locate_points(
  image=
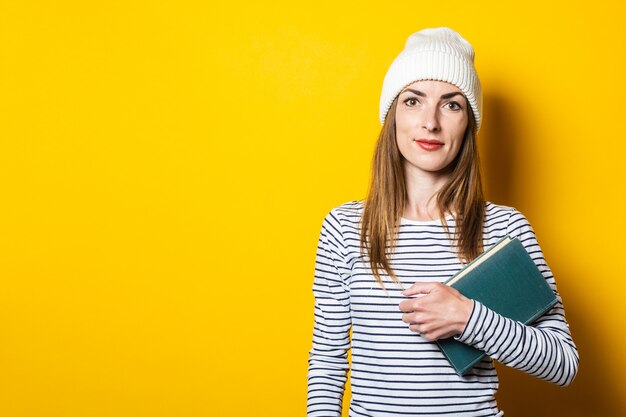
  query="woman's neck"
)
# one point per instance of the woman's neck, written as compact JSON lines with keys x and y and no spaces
{"x":421,"y":190}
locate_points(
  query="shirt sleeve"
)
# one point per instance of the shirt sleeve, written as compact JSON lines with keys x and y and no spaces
{"x":544,"y":348}
{"x":328,"y":358}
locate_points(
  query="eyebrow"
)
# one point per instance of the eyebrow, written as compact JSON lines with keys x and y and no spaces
{"x":443,"y":96}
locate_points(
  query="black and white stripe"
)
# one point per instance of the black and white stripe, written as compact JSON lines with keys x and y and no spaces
{"x":395,"y":372}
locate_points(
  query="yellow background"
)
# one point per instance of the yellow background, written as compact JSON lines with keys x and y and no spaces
{"x":165,"y":167}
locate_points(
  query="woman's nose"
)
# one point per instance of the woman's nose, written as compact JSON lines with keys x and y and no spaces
{"x":431,"y":121}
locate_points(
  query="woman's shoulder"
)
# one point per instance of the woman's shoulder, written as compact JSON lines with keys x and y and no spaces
{"x":350,"y":211}
{"x":347,"y":214}
{"x":350,"y":207}
{"x":493,"y":210}
{"x":507,"y":216}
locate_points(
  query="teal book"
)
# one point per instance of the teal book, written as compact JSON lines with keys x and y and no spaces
{"x":505,"y":279}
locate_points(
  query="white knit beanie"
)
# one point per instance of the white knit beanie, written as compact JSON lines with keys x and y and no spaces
{"x":434,"y":54}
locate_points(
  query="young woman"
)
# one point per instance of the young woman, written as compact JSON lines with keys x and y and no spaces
{"x":381,"y":262}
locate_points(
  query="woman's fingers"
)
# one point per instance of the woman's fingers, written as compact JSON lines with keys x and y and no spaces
{"x":420,"y":288}
{"x":441,"y":312}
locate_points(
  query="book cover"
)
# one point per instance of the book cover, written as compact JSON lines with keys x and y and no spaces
{"x":506,"y":280}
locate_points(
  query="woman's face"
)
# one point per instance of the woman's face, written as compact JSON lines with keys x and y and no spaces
{"x":431,"y":118}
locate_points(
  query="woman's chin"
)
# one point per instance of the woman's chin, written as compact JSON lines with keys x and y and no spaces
{"x":434,"y":168}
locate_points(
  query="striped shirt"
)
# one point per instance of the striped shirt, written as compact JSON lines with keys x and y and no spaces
{"x":396,"y":372}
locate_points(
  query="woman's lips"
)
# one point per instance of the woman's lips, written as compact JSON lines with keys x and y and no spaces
{"x":429,"y":144}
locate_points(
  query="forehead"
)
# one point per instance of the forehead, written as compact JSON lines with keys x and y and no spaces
{"x":433,"y":87}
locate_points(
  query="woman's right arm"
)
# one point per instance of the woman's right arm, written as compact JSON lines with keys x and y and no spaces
{"x":328,"y":359}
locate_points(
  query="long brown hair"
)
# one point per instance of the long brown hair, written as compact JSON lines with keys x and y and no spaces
{"x":461,"y":195}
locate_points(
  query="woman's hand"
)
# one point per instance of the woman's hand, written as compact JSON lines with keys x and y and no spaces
{"x":442,"y":312}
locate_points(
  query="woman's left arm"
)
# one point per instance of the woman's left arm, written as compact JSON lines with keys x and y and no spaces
{"x":544,"y":348}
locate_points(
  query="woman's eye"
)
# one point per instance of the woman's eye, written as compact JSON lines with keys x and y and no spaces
{"x":411,"y":101}
{"x":453,"y":105}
